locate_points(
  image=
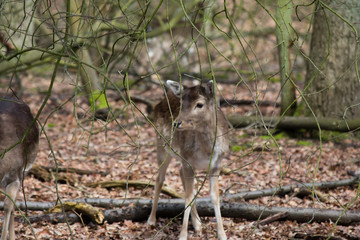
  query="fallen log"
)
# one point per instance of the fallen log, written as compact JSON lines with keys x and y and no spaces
{"x":291,"y":123}
{"x":231,"y":102}
{"x":273,"y":218}
{"x":44,"y":175}
{"x":280,"y":191}
{"x":136,"y":184}
{"x":174,"y":208}
{"x":76,"y":170}
{"x":94,"y":213}
{"x":111,"y":203}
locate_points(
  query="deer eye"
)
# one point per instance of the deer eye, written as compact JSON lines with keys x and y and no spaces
{"x":199,"y":105}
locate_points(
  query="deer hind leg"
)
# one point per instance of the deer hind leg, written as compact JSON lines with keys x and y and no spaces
{"x":8,"y":225}
{"x":195,"y":219}
{"x":163,"y":160}
{"x":214,"y":193}
{"x":187,"y":176}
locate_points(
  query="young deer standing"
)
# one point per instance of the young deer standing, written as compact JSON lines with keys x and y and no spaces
{"x":196,"y":131}
{"x":15,"y":120}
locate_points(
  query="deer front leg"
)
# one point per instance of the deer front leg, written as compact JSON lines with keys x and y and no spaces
{"x":8,"y":225}
{"x":187,"y":174}
{"x":214,"y":193}
{"x":195,"y":219}
{"x":163,"y":162}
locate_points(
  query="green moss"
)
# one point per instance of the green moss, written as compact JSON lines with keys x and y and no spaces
{"x":243,"y":136}
{"x":274,"y":79}
{"x":299,"y":77}
{"x":51,"y":125}
{"x":303,"y":143}
{"x":277,"y":136}
{"x":100,"y":100}
{"x":281,"y":135}
{"x":327,"y":135}
{"x":120,"y":84}
{"x":299,"y":110}
{"x":264,"y":137}
{"x":237,"y":148}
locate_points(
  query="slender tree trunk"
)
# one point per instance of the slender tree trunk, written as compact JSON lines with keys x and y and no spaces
{"x":283,"y":35}
{"x":89,"y":75}
{"x":16,"y":33}
{"x":16,"y":23}
{"x":332,"y":85}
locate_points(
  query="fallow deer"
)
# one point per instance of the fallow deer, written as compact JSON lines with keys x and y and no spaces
{"x":192,"y":129}
{"x":18,"y":150}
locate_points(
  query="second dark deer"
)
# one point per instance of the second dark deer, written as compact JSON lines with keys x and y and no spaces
{"x":18,"y":150}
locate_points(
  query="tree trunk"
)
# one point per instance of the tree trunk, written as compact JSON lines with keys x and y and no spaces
{"x":16,"y":23}
{"x":332,"y":87}
{"x":88,"y":74}
{"x":283,"y":36}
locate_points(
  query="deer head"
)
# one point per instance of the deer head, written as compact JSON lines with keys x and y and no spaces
{"x":197,"y":110}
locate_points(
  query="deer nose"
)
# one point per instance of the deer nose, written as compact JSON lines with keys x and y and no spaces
{"x":177,"y":124}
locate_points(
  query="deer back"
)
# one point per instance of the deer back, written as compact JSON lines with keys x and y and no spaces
{"x":15,"y":119}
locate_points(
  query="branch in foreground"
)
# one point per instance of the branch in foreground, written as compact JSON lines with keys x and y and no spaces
{"x":174,"y":207}
{"x":27,"y":57}
{"x":291,"y":123}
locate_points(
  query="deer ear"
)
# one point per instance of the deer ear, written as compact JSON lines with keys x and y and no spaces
{"x":175,"y":87}
{"x":209,"y":88}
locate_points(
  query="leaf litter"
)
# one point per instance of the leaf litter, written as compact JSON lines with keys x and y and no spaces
{"x":126,"y":150}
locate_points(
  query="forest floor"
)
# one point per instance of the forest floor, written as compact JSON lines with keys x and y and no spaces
{"x":125,"y":149}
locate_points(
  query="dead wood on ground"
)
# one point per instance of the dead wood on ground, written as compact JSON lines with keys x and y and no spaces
{"x":273,"y":218}
{"x":70,"y":170}
{"x":91,"y":212}
{"x":109,"y":203}
{"x":171,"y":208}
{"x":136,"y":184}
{"x":46,"y":175}
{"x":299,"y":187}
{"x":291,"y":123}
{"x":231,"y":102}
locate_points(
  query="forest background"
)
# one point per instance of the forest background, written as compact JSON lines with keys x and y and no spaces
{"x":287,"y":78}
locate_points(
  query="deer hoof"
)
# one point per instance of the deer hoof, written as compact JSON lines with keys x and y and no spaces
{"x":183,"y":235}
{"x":151,"y":222}
{"x":222,"y":236}
{"x":197,"y":225}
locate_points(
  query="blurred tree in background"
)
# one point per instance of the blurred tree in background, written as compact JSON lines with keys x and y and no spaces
{"x":116,"y":45}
